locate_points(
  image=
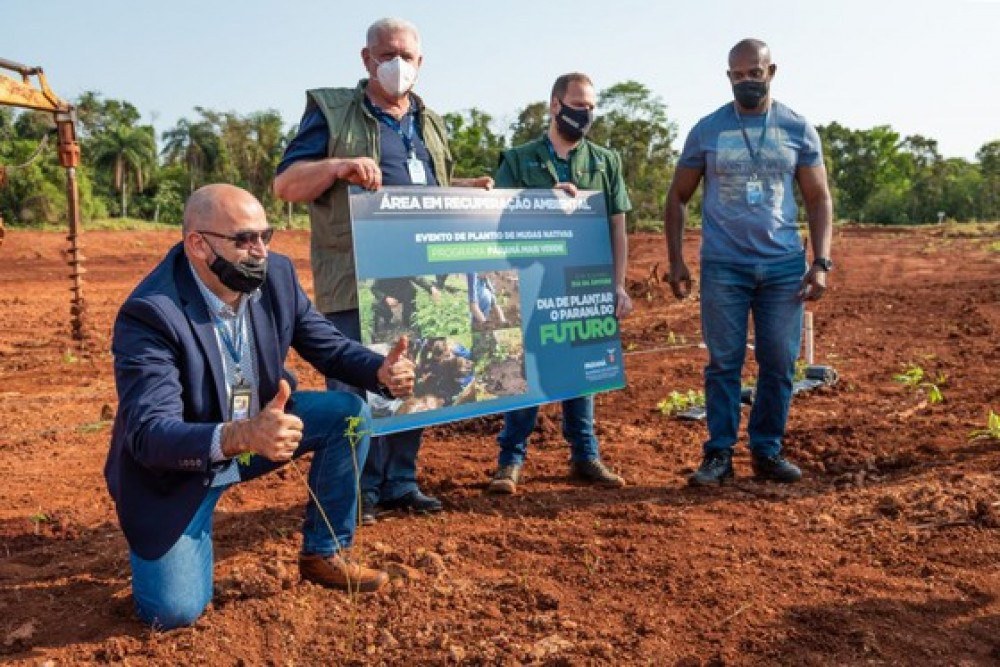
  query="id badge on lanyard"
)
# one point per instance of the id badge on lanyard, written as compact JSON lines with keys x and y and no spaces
{"x":239,"y":401}
{"x":755,"y":191}
{"x":415,"y":168}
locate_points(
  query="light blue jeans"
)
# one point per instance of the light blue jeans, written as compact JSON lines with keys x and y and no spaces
{"x":390,"y":471}
{"x":729,"y":294}
{"x":577,"y":428}
{"x":173,"y":590}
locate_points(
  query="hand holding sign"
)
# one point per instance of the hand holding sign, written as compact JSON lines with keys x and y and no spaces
{"x":397,"y":372}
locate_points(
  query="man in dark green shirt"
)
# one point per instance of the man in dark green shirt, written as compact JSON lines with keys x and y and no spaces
{"x":563,"y":158}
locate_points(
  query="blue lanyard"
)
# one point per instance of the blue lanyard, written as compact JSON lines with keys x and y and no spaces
{"x":397,"y":127}
{"x":754,"y":156}
{"x":234,"y":345}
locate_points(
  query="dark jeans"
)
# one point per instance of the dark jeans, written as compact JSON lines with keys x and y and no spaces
{"x":390,"y":471}
{"x":729,"y":294}
{"x":578,"y":429}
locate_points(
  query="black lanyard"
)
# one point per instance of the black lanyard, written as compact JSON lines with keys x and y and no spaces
{"x":754,"y":156}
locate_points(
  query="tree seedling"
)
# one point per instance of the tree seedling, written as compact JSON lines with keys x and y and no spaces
{"x":675,"y":339}
{"x":676,"y":402}
{"x":914,"y":377}
{"x":38,"y":518}
{"x":992,"y":430}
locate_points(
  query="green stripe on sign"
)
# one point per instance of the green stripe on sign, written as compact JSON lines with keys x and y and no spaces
{"x":460,"y":252}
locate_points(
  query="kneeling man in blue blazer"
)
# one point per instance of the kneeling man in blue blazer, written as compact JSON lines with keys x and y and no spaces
{"x":203,"y":403}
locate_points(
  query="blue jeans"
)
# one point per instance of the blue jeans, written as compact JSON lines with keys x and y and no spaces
{"x":729,"y":294}
{"x":173,"y":590}
{"x":578,"y":429}
{"x":390,"y":471}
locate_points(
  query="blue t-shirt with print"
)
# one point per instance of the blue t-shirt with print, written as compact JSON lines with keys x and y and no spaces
{"x":754,"y":223}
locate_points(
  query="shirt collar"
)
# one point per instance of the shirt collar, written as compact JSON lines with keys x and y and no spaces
{"x":377,"y":111}
{"x":552,"y":149}
{"x":216,"y":306}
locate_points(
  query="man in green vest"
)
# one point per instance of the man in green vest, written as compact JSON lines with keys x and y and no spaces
{"x":378,"y":133}
{"x":563,"y":158}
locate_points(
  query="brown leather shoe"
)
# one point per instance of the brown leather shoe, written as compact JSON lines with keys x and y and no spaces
{"x":337,"y":571}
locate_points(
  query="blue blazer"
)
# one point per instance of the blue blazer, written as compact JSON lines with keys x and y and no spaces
{"x":172,"y":393}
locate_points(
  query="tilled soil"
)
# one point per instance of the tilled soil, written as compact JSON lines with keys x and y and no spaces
{"x":888,"y":552}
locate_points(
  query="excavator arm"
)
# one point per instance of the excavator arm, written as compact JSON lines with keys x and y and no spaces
{"x":40,"y":97}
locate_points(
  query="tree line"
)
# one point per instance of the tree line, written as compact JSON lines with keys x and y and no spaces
{"x":876,"y":175}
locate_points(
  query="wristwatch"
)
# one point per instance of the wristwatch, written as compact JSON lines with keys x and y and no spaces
{"x":823,"y":263}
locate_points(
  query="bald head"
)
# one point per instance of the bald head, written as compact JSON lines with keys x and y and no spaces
{"x":221,"y":207}
{"x":750,"y":48}
{"x":750,"y":73}
{"x":224,"y":222}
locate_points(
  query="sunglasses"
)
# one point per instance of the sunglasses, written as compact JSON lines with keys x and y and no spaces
{"x":245,"y":238}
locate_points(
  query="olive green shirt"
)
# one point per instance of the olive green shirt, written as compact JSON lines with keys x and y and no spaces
{"x":591,"y":167}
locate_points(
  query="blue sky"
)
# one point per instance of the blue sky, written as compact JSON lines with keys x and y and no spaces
{"x":922,"y":66}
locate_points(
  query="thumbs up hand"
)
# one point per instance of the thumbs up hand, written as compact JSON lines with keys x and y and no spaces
{"x":279,"y":400}
{"x":272,"y":433}
{"x":397,"y":372}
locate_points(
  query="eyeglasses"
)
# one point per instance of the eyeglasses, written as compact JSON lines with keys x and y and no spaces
{"x":244,"y":238}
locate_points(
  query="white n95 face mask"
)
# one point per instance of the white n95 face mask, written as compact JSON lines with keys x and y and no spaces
{"x":396,"y":76}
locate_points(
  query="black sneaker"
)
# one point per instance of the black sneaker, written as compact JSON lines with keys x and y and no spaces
{"x":415,"y":502}
{"x":776,"y":468}
{"x":716,"y":467}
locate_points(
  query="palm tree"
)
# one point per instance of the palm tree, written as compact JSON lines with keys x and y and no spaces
{"x":196,"y":145}
{"x":130,"y":151}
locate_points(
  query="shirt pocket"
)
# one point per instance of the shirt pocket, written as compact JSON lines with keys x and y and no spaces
{"x":535,"y":175}
{"x":591,"y":178}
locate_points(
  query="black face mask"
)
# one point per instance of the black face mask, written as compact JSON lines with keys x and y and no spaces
{"x":750,"y":94}
{"x":573,"y":123}
{"x":242,"y":277}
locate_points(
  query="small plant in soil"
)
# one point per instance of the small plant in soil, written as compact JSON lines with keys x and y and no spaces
{"x":676,"y":402}
{"x":38,"y":518}
{"x":992,"y":430}
{"x":675,"y":339}
{"x":916,"y":378}
{"x":94,"y":427}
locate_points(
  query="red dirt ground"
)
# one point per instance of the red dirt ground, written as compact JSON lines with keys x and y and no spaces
{"x":887,"y":553}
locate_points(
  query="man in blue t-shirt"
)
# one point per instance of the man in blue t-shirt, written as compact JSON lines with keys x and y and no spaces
{"x":750,"y":153}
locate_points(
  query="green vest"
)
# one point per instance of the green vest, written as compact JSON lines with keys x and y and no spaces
{"x":354,"y":133}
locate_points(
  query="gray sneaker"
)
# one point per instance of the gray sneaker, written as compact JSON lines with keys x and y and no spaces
{"x":596,"y":473}
{"x":505,"y":480}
